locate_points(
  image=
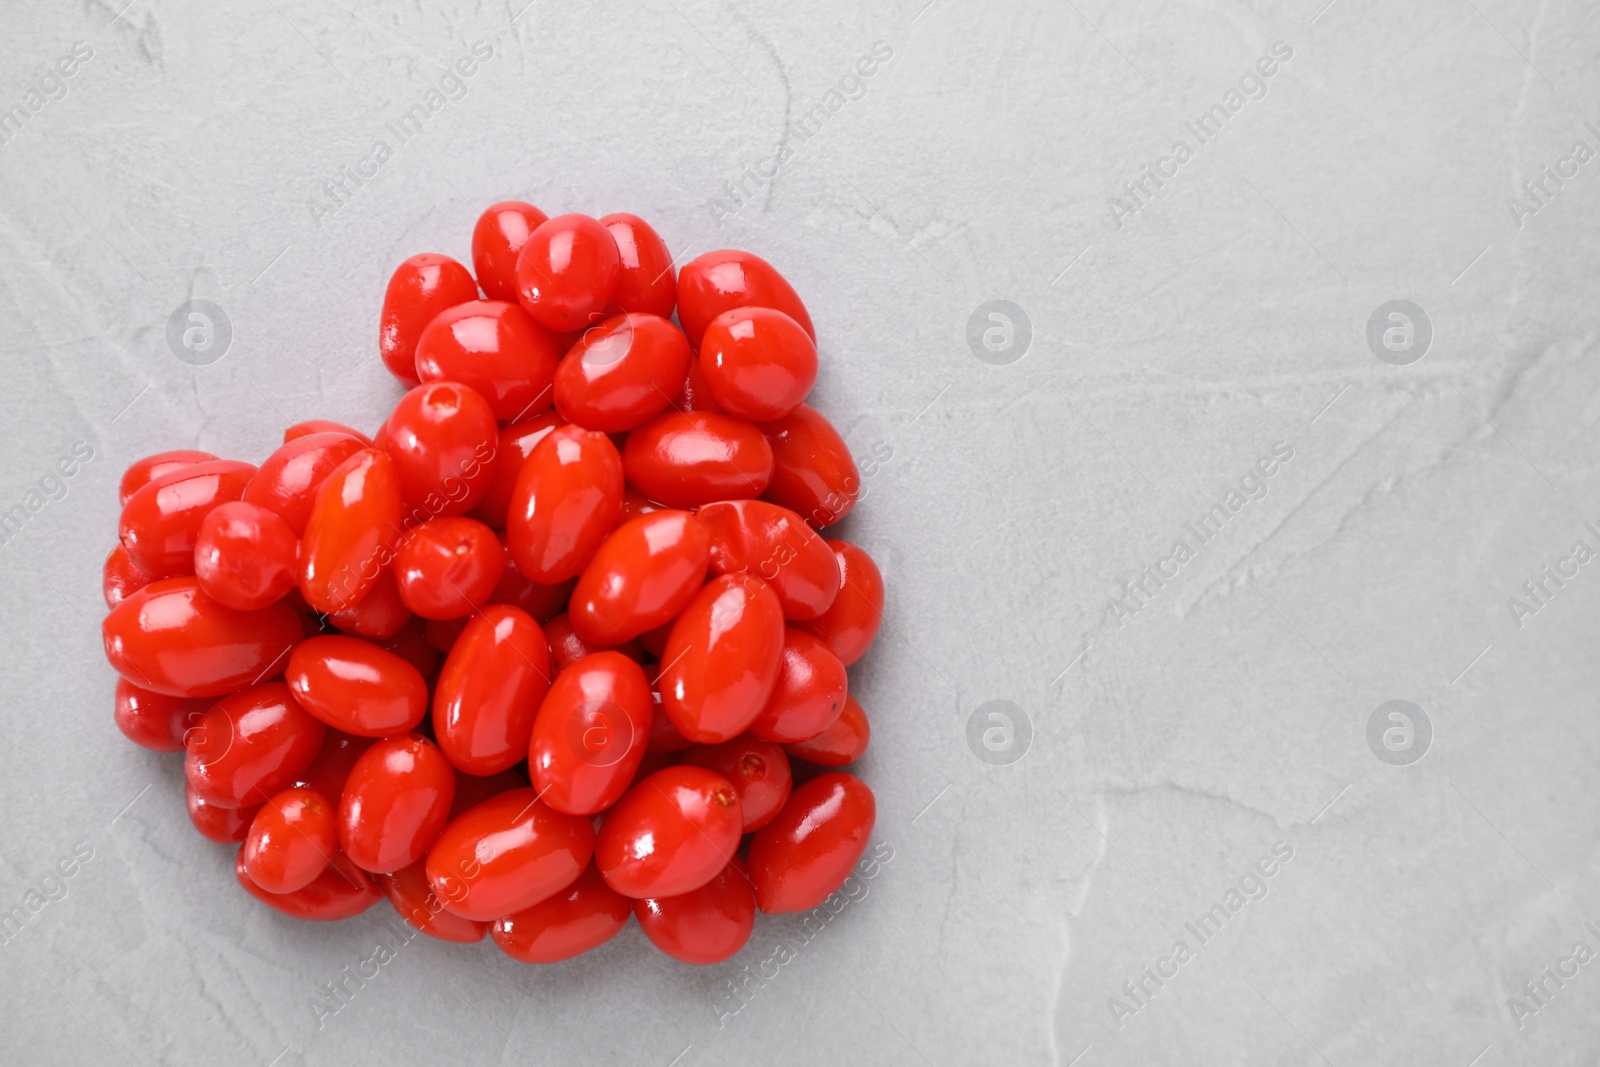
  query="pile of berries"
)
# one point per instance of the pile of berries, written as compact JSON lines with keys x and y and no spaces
{"x":586,"y":540}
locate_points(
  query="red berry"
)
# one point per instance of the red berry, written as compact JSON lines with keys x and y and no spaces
{"x":161,"y":522}
{"x":395,"y":803}
{"x":291,"y":841}
{"x":813,"y":473}
{"x":670,"y":833}
{"x":758,"y":771}
{"x":839,"y":744}
{"x":590,"y":733}
{"x":489,"y":690}
{"x":225,"y":826}
{"x":687,"y":459}
{"x":357,"y":687}
{"x":171,"y":638}
{"x":852,"y":620}
{"x":414,"y":899}
{"x":720,"y":281}
{"x":641,"y":577}
{"x":245,"y":557}
{"x":419,"y":289}
{"x":351,"y":532}
{"x":120,"y":578}
{"x":448,"y":567}
{"x":441,"y":437}
{"x":584,"y":915}
{"x":566,"y":501}
{"x":648,"y":282}
{"x":759,"y":363}
{"x":144,"y":471}
{"x":809,"y":693}
{"x":288,"y":480}
{"x":154,"y":720}
{"x":498,"y":237}
{"x":516,"y":443}
{"x":568,"y":272}
{"x":621,"y":373}
{"x":705,"y":925}
{"x":774,"y":544}
{"x":496,"y":349}
{"x":341,"y":891}
{"x":722,"y":659}
{"x":249,"y":746}
{"x":809,"y":849}
{"x":506,"y":854}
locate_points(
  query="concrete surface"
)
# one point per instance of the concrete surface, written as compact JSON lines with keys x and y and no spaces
{"x":1196,"y":715}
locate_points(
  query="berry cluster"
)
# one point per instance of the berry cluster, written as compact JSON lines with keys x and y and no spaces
{"x":558,"y":644}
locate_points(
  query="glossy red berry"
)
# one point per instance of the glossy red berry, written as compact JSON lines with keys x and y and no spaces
{"x":380,"y":613}
{"x":670,"y":833}
{"x":495,"y":349}
{"x":809,"y":693}
{"x":516,"y":443}
{"x":288,"y":480}
{"x":415,"y":901}
{"x":813,"y":473}
{"x":621,"y":373}
{"x":758,"y":771}
{"x":351,"y":532}
{"x":726,"y":279}
{"x":498,"y":237}
{"x":161,"y":522}
{"x":508,"y":853}
{"x":774,"y":544}
{"x":154,"y":720}
{"x":566,"y":501}
{"x":356,"y":687}
{"x":590,"y":733}
{"x":441,"y":437}
{"x":291,"y":841}
{"x":808,"y":850}
{"x":687,"y":459}
{"x":705,"y":925}
{"x":851,"y":622}
{"x":842,"y":743}
{"x":245,"y":557}
{"x":489,"y":690}
{"x":395,"y":803}
{"x":583,"y":916}
{"x":120,"y":578}
{"x":759,"y":363}
{"x":722,"y":657}
{"x":568,"y":272}
{"x":225,"y":826}
{"x":142,"y":472}
{"x":341,"y":891}
{"x":448,"y":567}
{"x":419,"y":289}
{"x":641,"y":577}
{"x":250,"y":745}
{"x":648,"y":283}
{"x":171,"y":638}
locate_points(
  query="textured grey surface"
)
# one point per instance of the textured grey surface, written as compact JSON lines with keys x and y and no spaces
{"x":1172,"y":748}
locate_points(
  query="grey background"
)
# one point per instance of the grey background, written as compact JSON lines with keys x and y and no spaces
{"x":1170,"y":750}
